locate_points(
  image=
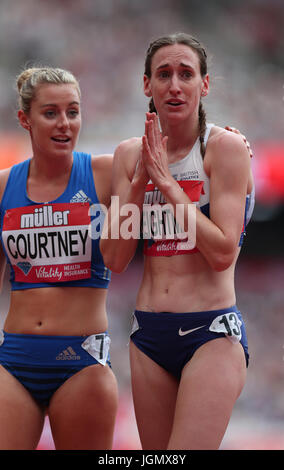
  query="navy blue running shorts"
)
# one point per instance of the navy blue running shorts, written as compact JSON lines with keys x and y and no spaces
{"x":42,"y":363}
{"x":171,"y":339}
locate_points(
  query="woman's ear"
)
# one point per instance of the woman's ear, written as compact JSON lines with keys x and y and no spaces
{"x":147,"y":87}
{"x":205,"y":85}
{"x":24,"y":120}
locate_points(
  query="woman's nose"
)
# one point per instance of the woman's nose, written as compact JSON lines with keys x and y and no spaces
{"x":175,"y":85}
{"x":63,"y":121}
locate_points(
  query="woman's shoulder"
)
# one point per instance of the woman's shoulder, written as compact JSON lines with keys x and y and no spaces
{"x":132,"y":145}
{"x":222,"y":137}
{"x":226,"y":151}
{"x":127,"y":153}
{"x":223,"y":143}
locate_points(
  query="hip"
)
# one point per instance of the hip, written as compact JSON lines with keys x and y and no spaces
{"x":172,"y":339}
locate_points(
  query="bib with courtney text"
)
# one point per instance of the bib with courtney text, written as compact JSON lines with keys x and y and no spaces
{"x":48,"y":242}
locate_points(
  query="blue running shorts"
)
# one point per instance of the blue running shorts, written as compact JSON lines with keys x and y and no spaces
{"x":42,"y":363}
{"x":171,"y":339}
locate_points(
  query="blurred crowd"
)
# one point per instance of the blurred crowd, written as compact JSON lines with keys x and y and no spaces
{"x":103,"y":42}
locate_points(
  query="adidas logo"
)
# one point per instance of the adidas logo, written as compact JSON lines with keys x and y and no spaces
{"x":68,"y":355}
{"x":80,"y":196}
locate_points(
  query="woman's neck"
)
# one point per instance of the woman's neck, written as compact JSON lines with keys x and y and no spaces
{"x":45,"y":168}
{"x":48,"y":178}
{"x":181,"y":138}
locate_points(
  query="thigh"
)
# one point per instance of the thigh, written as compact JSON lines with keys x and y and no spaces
{"x":82,"y":411}
{"x":21,"y":418}
{"x":210,"y":385}
{"x":154,"y":395}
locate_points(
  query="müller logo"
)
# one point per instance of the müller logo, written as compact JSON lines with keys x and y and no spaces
{"x":44,"y":217}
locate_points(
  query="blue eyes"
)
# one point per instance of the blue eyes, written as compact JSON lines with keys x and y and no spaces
{"x":73,"y":113}
{"x":50,"y":114}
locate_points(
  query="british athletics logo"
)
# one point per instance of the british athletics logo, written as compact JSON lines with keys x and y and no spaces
{"x":48,"y":242}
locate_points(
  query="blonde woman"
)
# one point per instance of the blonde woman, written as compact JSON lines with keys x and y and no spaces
{"x":54,"y":347}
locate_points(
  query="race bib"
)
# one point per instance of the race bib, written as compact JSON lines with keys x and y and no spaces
{"x":162,"y":234}
{"x":134,"y":324}
{"x":48,"y":242}
{"x":230,"y":324}
{"x":98,"y":347}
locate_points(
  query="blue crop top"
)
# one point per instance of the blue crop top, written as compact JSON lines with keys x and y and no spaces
{"x":53,"y":243}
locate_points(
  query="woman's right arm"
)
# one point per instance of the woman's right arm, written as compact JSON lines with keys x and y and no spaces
{"x":122,"y":223}
{"x":4,"y":174}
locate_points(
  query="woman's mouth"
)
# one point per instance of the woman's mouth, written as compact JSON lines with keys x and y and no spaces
{"x":175,"y":103}
{"x":61,"y":139}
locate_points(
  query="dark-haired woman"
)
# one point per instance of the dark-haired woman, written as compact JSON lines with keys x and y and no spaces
{"x":193,"y":182}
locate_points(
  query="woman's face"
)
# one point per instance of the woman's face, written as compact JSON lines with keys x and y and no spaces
{"x":176,"y":84}
{"x":54,"y":120}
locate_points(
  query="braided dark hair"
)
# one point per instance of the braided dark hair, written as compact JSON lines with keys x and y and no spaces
{"x":202,"y":127}
{"x":190,"y":41}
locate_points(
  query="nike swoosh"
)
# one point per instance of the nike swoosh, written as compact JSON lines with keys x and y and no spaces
{"x":182,"y":333}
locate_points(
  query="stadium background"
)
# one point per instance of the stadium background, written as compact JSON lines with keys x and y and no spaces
{"x":103,"y":42}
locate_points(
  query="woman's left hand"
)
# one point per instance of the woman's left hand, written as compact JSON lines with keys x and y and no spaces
{"x":236,"y":131}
